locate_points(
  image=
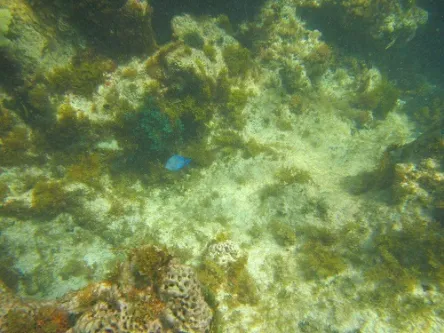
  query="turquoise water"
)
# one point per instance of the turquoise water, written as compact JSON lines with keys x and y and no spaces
{"x":312,"y":199}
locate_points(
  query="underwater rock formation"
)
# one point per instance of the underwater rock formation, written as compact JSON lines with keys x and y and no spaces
{"x":386,"y":22}
{"x":415,"y":171}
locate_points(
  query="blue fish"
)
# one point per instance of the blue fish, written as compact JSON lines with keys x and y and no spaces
{"x":177,"y":162}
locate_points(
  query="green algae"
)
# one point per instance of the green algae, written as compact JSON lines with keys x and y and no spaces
{"x":237,"y":59}
{"x":87,"y":170}
{"x":381,"y":99}
{"x":50,"y":198}
{"x":149,"y":261}
{"x":194,"y":39}
{"x":19,"y":321}
{"x":210,"y":51}
{"x":283,"y":233}
{"x":293,"y":175}
{"x":4,"y":191}
{"x":81,"y":76}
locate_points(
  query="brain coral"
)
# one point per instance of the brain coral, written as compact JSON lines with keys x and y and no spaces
{"x":187,"y":309}
{"x":224,"y":253}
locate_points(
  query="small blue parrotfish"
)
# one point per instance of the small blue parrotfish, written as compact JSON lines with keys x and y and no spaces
{"x":177,"y":162}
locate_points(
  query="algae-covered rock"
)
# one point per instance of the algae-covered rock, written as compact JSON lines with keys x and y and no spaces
{"x":386,"y":22}
{"x":5,"y":20}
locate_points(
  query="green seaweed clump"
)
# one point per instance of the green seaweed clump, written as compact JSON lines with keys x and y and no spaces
{"x":382,"y":99}
{"x":194,"y":39}
{"x":149,"y":262}
{"x":405,"y":265}
{"x":50,"y":319}
{"x":50,"y":198}
{"x":284,"y":234}
{"x":87,"y":170}
{"x":211,"y":275}
{"x":15,"y":146}
{"x":237,"y":100}
{"x":321,"y":261}
{"x":19,"y":321}
{"x":72,"y":131}
{"x":81,"y":76}
{"x":235,"y":278}
{"x":7,"y":120}
{"x":4,"y":190}
{"x":210,"y":51}
{"x":232,"y":276}
{"x":293,"y":175}
{"x":409,"y":257}
{"x":38,"y":99}
{"x":318,"y":60}
{"x":320,"y":255}
{"x":238,"y":59}
{"x":241,"y":284}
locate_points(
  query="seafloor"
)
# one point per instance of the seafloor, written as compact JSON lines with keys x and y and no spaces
{"x":313,"y":201}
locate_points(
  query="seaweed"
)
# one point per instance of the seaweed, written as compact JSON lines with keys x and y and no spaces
{"x":237,"y":59}
{"x":7,"y":120}
{"x":381,"y":99}
{"x":81,"y":76}
{"x":320,"y":261}
{"x":19,"y":321}
{"x":293,"y":175}
{"x":51,"y":319}
{"x":194,"y":40}
{"x":211,"y":275}
{"x":284,"y":234}
{"x":240,"y":282}
{"x":49,"y":198}
{"x":149,"y":262}
{"x":4,"y":191}
{"x":210,"y":51}
{"x":88,"y":170}
{"x":72,"y":130}
{"x":321,"y":253}
{"x":237,"y":100}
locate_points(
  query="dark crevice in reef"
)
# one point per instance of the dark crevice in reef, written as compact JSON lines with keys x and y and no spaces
{"x":164,"y":10}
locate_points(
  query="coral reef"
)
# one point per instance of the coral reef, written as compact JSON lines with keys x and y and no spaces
{"x":415,"y":171}
{"x":177,"y":306}
{"x":118,"y":26}
{"x":224,"y":268}
{"x":180,"y":289}
{"x":276,"y":117}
